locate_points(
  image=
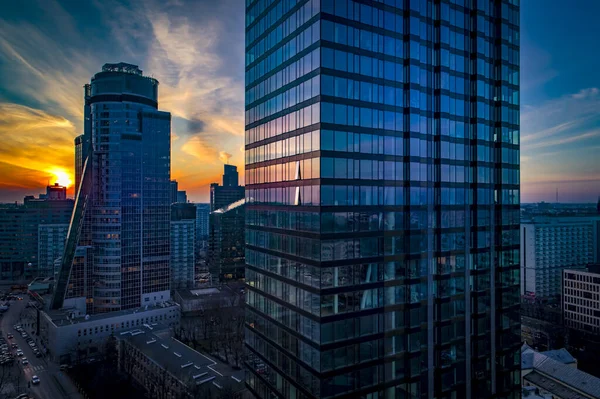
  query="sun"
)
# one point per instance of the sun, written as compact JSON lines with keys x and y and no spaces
{"x":62,"y":178}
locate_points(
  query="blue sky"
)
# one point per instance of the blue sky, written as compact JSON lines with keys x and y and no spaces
{"x":49,"y":49}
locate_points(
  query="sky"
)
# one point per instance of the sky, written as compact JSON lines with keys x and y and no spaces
{"x":49,"y":49}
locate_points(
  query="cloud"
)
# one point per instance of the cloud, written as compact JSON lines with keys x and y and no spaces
{"x":34,"y":144}
{"x":192,"y":47}
{"x":586,"y":93}
{"x":566,"y":139}
{"x":536,"y":67}
{"x":224,"y":156}
{"x":559,"y":142}
{"x":560,"y":118}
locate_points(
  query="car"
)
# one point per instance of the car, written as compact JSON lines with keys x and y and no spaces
{"x":19,"y":353}
{"x":25,"y":361}
{"x":14,"y":346}
{"x":32,"y":344}
{"x":38,"y":354}
{"x":22,"y":396}
{"x":35,"y":380}
{"x":63,"y":367}
{"x":10,"y":336}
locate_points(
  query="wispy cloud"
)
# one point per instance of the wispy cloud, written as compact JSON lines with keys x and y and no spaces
{"x":559,"y":146}
{"x":191,"y":47}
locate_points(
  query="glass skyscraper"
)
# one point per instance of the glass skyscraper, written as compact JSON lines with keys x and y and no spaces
{"x":382,"y":189}
{"x":118,"y":245}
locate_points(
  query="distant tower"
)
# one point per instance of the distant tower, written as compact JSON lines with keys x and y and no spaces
{"x":557,"y":195}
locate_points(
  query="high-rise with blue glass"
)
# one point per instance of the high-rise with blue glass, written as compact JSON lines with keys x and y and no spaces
{"x":118,"y":245}
{"x":382,"y":189}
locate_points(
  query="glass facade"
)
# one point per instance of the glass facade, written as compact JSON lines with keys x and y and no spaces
{"x":122,"y":214}
{"x":382,"y":190}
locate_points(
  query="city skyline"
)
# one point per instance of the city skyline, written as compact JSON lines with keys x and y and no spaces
{"x":196,"y":55}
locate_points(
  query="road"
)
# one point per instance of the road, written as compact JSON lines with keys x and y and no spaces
{"x":54,"y":384}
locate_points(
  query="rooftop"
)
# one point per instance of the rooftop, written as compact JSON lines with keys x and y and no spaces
{"x":122,"y":67}
{"x":181,"y":361}
{"x":557,"y":390}
{"x":63,"y":316}
{"x":225,"y":294}
{"x":552,"y":370}
{"x":560,"y":355}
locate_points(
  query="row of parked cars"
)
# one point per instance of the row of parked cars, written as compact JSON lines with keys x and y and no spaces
{"x":29,"y":340}
{"x":6,"y":357}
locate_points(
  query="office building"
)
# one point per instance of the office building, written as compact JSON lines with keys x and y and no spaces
{"x":20,"y":234}
{"x":382,"y":189}
{"x":555,"y":375}
{"x":71,"y":336}
{"x":550,"y":245}
{"x":230,"y":176}
{"x":581,"y":300}
{"x":117,"y":252}
{"x":182,"y":196}
{"x":183,"y":245}
{"x":51,"y":246}
{"x":56,"y":192}
{"x":229,"y":192}
{"x":173,"y":187}
{"x":202,"y":212}
{"x":226,"y":246}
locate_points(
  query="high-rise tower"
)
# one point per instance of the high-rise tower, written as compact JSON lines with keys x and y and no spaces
{"x":118,"y":246}
{"x":382,"y":189}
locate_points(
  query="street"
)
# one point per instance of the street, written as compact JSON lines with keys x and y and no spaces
{"x":54,"y":384}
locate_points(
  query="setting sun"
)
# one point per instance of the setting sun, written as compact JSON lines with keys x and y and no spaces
{"x":61,"y":177}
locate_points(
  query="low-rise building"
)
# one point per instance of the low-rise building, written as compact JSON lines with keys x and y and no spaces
{"x":555,"y":373}
{"x":166,"y":368}
{"x":69,"y":336}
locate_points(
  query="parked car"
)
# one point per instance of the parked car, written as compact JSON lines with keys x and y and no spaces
{"x":35,"y":380}
{"x":25,"y":361}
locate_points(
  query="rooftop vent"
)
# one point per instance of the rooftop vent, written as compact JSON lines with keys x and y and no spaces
{"x":151,"y":341}
{"x":164,"y":346}
{"x":199,"y":375}
{"x":177,"y":354}
{"x":205,"y":380}
{"x":186,"y":365}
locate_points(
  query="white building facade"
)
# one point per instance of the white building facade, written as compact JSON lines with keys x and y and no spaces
{"x":550,"y":245}
{"x":581,"y":300}
{"x":69,"y":336}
